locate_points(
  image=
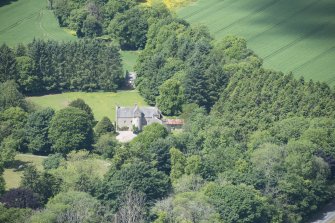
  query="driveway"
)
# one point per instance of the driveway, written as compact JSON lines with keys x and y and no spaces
{"x":125,"y":136}
{"x":326,"y":215}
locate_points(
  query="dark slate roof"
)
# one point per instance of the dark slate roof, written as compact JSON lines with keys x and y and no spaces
{"x":128,"y":112}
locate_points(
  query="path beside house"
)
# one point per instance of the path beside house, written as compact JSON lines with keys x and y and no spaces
{"x":125,"y":136}
{"x":326,"y":215}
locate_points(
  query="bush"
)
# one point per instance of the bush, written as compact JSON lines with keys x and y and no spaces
{"x":69,"y":206}
{"x":104,"y":126}
{"x":138,"y":176}
{"x":14,"y":215}
{"x":53,"y":161}
{"x":79,"y":173}
{"x":43,"y":184}
{"x":106,"y":145}
{"x":2,"y":182}
{"x":20,"y":198}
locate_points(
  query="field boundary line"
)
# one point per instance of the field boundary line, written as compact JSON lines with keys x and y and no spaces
{"x":217,"y":8}
{"x":40,"y":18}
{"x":18,"y":22}
{"x":247,"y":16}
{"x":299,"y":39}
{"x":315,"y":58}
{"x":285,"y":20}
{"x":330,"y":80}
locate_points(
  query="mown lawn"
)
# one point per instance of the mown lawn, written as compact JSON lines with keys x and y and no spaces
{"x":102,"y":103}
{"x":297,"y":36}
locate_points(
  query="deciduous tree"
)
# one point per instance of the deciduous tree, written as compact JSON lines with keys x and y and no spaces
{"x":10,"y":96}
{"x":37,"y":130}
{"x":104,"y":126}
{"x":70,"y":129}
{"x":171,"y":97}
{"x":20,"y":198}
{"x":80,"y":103}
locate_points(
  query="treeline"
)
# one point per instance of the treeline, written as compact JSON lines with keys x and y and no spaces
{"x":257,"y":146}
{"x":50,"y":66}
{"x":44,"y":131}
{"x":282,"y":173}
{"x":254,"y":100}
{"x":253,"y":136}
{"x":126,"y":21}
{"x":183,"y":64}
{"x":281,"y":170}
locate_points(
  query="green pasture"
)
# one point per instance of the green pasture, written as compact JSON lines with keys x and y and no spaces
{"x":24,"y":20}
{"x":102,"y":103}
{"x":12,"y":175}
{"x":129,"y":59}
{"x":291,"y":36}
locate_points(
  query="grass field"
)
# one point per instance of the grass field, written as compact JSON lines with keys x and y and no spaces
{"x":13,"y":174}
{"x":129,"y":59}
{"x":24,"y":20}
{"x":102,"y":103}
{"x":297,"y":36}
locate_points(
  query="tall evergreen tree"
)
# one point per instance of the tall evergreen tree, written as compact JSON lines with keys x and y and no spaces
{"x":7,"y":64}
{"x":195,"y":83}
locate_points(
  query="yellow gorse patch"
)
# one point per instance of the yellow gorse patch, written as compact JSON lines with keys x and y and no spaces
{"x":171,"y":4}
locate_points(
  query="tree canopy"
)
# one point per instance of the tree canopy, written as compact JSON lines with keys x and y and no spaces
{"x":257,"y":144}
{"x":51,"y":66}
{"x":70,"y":129}
{"x":37,"y":131}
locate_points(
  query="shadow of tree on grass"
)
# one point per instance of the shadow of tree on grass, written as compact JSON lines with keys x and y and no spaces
{"x":6,"y":2}
{"x":17,"y":165}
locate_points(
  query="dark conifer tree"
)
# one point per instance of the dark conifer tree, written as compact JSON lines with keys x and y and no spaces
{"x":7,"y":64}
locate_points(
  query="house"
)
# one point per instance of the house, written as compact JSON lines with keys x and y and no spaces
{"x":129,"y":117}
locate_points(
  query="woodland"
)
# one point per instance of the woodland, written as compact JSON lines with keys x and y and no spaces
{"x":258,"y":145}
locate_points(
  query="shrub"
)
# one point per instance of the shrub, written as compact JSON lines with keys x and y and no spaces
{"x":53,"y":161}
{"x":20,"y":198}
